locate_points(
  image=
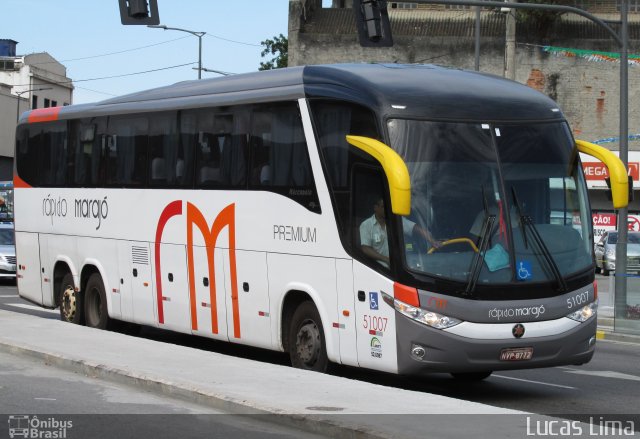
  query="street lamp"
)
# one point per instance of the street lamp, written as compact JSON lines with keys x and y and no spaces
{"x":20,"y":93}
{"x":197,"y":34}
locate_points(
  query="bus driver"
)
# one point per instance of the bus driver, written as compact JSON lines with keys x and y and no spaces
{"x":373,"y":234}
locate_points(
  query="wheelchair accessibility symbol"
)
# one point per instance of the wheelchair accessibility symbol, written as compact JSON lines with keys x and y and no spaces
{"x":373,"y":300}
{"x":524,"y":271}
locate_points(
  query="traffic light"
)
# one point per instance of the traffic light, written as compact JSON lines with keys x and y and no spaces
{"x":143,"y":12}
{"x":372,"y":21}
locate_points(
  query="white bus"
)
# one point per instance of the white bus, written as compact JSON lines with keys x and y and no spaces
{"x":251,"y":209}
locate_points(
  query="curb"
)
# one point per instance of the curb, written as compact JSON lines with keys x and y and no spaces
{"x":314,"y":424}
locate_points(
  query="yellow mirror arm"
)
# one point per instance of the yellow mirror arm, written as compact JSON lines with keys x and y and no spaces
{"x":394,"y":168}
{"x":617,"y":172}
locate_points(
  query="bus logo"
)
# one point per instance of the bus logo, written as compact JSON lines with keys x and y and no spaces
{"x":226,"y":218}
{"x":518,"y":330}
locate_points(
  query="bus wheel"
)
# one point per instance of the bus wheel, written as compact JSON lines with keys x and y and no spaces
{"x":307,"y":347}
{"x":471,"y":376}
{"x":71,"y":309}
{"x":95,"y":303}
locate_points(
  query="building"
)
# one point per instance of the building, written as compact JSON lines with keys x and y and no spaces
{"x":26,"y":82}
{"x":564,"y":56}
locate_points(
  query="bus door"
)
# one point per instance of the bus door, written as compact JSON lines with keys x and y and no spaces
{"x":375,"y":320}
{"x":28,"y":269}
{"x":209,"y":292}
{"x":248,"y":317}
{"x":174,"y":294}
{"x":136,"y":279}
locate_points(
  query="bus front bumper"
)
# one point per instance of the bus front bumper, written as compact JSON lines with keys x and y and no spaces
{"x":445,"y":351}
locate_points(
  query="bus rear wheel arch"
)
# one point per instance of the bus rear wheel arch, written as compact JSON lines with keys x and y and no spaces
{"x":306,"y":340}
{"x":95,"y":303}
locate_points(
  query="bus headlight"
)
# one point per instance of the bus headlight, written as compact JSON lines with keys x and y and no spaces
{"x":584,"y":313}
{"x":429,"y":318}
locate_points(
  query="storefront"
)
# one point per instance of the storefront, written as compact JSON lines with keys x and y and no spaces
{"x":605,"y":218}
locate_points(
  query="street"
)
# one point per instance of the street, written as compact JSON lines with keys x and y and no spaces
{"x":608,"y":385}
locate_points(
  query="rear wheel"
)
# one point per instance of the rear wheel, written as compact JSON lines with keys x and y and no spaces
{"x":307,"y":347}
{"x":472,"y":376}
{"x":95,"y":303}
{"x":605,"y":272}
{"x":71,"y":307}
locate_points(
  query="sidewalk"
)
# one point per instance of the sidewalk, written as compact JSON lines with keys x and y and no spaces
{"x":332,"y":406}
{"x":606,"y":315}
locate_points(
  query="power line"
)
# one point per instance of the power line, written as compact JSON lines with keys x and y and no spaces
{"x":114,"y":76}
{"x":110,"y":53}
{"x":232,"y":41}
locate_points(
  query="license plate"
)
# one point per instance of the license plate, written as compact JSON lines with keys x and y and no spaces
{"x":516,"y":354}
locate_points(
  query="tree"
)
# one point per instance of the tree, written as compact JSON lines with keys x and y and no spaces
{"x":278,"y":46}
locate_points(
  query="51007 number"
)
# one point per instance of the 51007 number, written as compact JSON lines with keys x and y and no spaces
{"x":374,"y":322}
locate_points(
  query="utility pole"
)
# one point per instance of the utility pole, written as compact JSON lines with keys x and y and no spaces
{"x":510,"y":44}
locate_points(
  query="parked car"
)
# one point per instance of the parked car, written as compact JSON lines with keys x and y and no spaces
{"x":7,"y":251}
{"x":605,"y":251}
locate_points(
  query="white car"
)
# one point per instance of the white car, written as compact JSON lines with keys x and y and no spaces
{"x":7,"y":251}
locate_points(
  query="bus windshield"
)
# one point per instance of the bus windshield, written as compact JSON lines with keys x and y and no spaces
{"x":500,"y":203}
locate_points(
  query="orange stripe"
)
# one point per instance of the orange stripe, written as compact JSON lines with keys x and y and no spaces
{"x":44,"y":114}
{"x":19,"y":183}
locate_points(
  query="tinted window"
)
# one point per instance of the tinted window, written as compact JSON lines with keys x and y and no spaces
{"x":166,"y":156}
{"x":88,"y":143}
{"x":126,"y":151}
{"x":280,"y":159}
{"x":28,"y":142}
{"x":53,"y":156}
{"x":219,"y":140}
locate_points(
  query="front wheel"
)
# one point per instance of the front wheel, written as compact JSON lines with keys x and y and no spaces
{"x":307,"y":347}
{"x":95,"y":303}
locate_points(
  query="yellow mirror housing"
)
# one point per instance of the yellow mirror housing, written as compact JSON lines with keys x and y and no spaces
{"x":617,"y":172}
{"x":394,"y":168}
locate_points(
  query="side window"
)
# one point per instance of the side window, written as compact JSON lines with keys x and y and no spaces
{"x":27,"y":152}
{"x":219,"y":140}
{"x":126,"y":151}
{"x":53,"y":157}
{"x":370,"y":219}
{"x":279,"y":156}
{"x":87,"y":144}
{"x":333,"y":121}
{"x":166,"y":158}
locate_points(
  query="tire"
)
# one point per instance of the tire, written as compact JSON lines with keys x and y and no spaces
{"x":471,"y":376}
{"x":307,"y":347}
{"x":95,"y":303}
{"x":71,"y":303}
{"x":605,"y":272}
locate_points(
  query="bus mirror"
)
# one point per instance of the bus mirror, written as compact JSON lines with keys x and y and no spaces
{"x":619,"y":180}
{"x":395,"y":169}
{"x":143,"y":12}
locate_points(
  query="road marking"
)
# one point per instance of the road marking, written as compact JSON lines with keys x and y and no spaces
{"x":32,"y":307}
{"x":604,"y":374}
{"x":45,"y":399}
{"x":8,"y":296}
{"x":535,"y":382}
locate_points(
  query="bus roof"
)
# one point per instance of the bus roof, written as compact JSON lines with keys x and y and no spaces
{"x":394,"y":90}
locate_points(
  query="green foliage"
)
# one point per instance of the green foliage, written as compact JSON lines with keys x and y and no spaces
{"x":540,"y":20}
{"x":279,"y":47}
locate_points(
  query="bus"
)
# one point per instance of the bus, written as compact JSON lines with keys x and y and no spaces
{"x":402,"y":218}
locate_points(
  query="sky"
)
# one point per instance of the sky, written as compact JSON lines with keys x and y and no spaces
{"x":88,"y":38}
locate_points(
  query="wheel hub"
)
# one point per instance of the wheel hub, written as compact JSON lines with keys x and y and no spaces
{"x":308,"y":343}
{"x":68,"y":304}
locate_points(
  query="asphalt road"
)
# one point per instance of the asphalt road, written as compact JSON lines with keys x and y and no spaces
{"x":608,"y":385}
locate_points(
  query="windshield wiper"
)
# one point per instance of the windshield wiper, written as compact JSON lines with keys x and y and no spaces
{"x":478,"y":259}
{"x":527,"y":224}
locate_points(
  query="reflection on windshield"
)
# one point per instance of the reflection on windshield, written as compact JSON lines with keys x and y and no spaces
{"x":464,"y":180}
